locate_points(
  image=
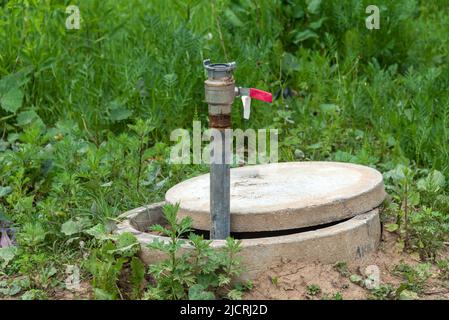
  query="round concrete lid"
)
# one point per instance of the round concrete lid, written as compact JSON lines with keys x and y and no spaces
{"x":284,"y":196}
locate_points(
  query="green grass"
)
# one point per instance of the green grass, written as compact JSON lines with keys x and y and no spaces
{"x":86,"y":115}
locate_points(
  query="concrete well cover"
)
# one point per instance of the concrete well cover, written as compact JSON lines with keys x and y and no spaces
{"x":285,"y":196}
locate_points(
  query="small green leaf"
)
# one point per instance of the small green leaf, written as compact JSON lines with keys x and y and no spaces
{"x":98,"y":232}
{"x":231,"y":16}
{"x":290,"y":62}
{"x":127,"y":245}
{"x":391,"y":227}
{"x":26,"y":117}
{"x":33,"y":233}
{"x":6,"y":255}
{"x":101,"y":294}
{"x":106,"y":184}
{"x":298,"y":12}
{"x":12,"y":100}
{"x":329,"y":108}
{"x":408,"y":295}
{"x":34,"y":294}
{"x":354,"y":278}
{"x":313,"y":6}
{"x":303,"y":36}
{"x":317,"y":24}
{"x":137,"y":276}
{"x":223,"y":280}
{"x":198,"y":292}
{"x":4,"y":191}
{"x":119,"y":114}
{"x":71,"y":227}
{"x":437,"y":179}
{"x":235,"y":294}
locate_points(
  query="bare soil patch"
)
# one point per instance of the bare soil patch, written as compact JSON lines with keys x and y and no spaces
{"x":291,"y":280}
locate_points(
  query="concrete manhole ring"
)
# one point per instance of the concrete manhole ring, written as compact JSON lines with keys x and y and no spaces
{"x":349,"y":240}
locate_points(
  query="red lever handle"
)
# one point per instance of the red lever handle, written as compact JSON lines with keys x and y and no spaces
{"x":260,"y":95}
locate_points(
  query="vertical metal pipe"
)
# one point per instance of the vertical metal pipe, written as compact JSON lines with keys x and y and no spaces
{"x":220,"y":192}
{"x":220,"y":94}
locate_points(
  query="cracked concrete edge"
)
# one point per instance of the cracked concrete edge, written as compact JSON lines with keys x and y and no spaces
{"x":348,"y":241}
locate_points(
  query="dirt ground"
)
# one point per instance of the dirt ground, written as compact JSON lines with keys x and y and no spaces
{"x":290,"y":280}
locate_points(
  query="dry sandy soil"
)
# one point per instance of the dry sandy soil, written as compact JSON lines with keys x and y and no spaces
{"x":289,"y":280}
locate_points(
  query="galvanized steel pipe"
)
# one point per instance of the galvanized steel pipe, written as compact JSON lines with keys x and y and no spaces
{"x":220,"y":93}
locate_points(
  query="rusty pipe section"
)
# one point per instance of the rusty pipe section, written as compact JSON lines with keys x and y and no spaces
{"x":220,"y":92}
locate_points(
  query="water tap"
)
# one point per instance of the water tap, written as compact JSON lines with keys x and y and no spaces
{"x":221,"y":91}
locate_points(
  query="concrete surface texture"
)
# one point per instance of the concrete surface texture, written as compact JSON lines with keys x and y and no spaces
{"x":351,"y":240}
{"x":285,"y":195}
